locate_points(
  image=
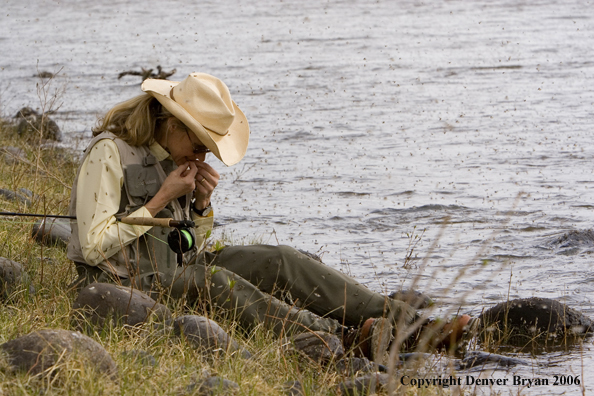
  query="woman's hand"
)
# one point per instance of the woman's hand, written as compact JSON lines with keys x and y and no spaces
{"x":207,"y":178}
{"x":180,"y":182}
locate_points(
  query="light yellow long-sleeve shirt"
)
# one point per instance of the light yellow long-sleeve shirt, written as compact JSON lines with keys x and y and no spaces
{"x":98,"y":200}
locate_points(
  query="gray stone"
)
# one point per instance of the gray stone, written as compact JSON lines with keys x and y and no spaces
{"x":101,"y":304}
{"x":364,"y":385}
{"x":10,"y":195}
{"x":293,"y":388}
{"x":318,"y":346}
{"x":39,"y":351}
{"x":479,"y":358}
{"x":31,"y":124}
{"x":207,"y":335}
{"x":212,"y":386}
{"x":12,"y":155}
{"x":413,"y":298}
{"x":52,"y":232}
{"x":355,"y":365}
{"x":12,"y":277}
{"x":533,"y":319}
{"x":573,"y":239}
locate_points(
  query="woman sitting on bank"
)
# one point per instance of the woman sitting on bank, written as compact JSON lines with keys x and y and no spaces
{"x":147,"y":159}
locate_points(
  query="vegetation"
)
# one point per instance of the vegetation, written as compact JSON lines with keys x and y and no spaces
{"x":48,"y":172}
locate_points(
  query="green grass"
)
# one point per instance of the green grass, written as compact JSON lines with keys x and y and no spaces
{"x":49,"y":173}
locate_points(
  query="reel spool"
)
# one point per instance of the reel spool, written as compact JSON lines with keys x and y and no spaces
{"x":181,"y":239}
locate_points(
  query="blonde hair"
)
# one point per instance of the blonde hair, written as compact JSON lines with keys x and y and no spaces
{"x":135,"y":121}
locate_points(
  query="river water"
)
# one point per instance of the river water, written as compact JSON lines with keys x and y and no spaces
{"x":460,"y":128}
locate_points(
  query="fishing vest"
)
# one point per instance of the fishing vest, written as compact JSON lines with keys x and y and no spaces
{"x":143,"y":176}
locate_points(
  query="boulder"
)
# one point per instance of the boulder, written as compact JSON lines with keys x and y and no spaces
{"x":12,"y":277}
{"x":10,"y":195}
{"x":12,"y":155}
{"x":52,"y":232}
{"x":205,"y":334}
{"x":39,"y":351}
{"x":479,"y":358}
{"x":572,"y":239}
{"x":101,"y":304}
{"x":412,"y":297}
{"x":355,"y":365}
{"x":538,"y":319}
{"x":319,"y":346}
{"x":293,"y":388}
{"x":364,"y":385}
{"x":31,"y":124}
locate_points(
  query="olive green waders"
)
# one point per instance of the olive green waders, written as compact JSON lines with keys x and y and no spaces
{"x":276,"y":286}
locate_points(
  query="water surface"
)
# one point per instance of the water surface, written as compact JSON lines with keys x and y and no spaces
{"x":467,"y":124}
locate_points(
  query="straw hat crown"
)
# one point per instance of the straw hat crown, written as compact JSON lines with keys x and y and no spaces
{"x":203,"y":103}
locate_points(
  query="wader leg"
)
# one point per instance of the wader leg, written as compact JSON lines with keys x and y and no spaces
{"x":319,"y":288}
{"x":87,"y":274}
{"x":249,"y":305}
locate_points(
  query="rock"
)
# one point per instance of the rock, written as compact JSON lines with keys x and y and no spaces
{"x":207,"y":335}
{"x":535,"y":319}
{"x":103,"y":304}
{"x":10,"y":195}
{"x":318,"y":346}
{"x":412,"y":297}
{"x":415,"y":356}
{"x":52,"y":231}
{"x":293,"y":388}
{"x":573,"y":239}
{"x":351,"y":366}
{"x":479,"y":358}
{"x":364,"y":385}
{"x":572,"y":242}
{"x":12,"y":277}
{"x":13,"y":155}
{"x":212,"y":386}
{"x":30,"y":123}
{"x":38,"y":351}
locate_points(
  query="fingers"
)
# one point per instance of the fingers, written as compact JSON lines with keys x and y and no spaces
{"x":207,"y":178}
{"x":188,"y":169}
{"x":205,"y":169}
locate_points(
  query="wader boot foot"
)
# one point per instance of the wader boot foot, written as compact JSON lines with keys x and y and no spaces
{"x":457,"y":333}
{"x":370,"y":340}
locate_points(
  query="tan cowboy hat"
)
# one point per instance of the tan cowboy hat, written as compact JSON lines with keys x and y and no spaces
{"x":203,"y":103}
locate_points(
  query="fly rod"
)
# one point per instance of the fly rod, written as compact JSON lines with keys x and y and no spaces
{"x":143,"y":221}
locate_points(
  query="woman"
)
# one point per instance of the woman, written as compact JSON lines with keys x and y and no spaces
{"x":147,"y":159}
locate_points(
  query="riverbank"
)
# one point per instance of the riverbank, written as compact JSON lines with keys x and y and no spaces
{"x":42,"y":176}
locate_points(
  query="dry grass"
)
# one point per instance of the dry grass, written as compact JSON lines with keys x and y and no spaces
{"x":48,"y":173}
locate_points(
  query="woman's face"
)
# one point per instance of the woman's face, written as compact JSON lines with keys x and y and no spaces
{"x":183,"y":145}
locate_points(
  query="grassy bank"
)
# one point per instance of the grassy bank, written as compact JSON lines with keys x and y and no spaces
{"x":48,"y":173}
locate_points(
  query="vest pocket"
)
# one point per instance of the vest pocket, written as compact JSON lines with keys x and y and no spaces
{"x":142,"y":181}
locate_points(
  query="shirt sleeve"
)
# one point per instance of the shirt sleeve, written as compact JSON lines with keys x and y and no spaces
{"x":98,"y":200}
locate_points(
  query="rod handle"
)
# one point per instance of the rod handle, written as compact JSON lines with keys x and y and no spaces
{"x":157,"y":222}
{"x":147,"y":221}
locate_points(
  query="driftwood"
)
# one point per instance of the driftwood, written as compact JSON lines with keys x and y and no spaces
{"x":148,"y":73}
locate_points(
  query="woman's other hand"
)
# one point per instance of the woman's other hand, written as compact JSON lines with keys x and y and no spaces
{"x":207,"y":179}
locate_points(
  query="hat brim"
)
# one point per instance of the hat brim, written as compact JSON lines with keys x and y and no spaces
{"x":229,"y":148}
